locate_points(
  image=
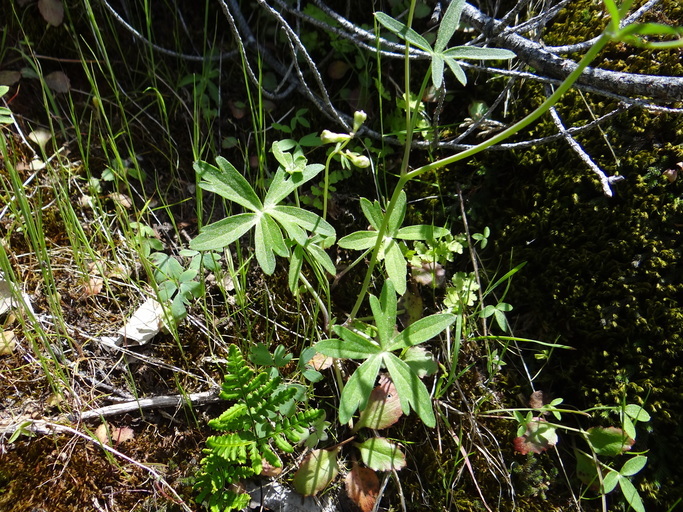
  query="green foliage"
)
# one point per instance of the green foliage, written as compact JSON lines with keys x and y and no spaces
{"x":177,"y":285}
{"x":391,"y":250}
{"x":378,"y":352}
{"x":254,"y":428}
{"x":5,"y":113}
{"x":269,"y":217}
{"x":439,"y":54}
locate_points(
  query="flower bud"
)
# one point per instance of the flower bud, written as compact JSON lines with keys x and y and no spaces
{"x":357,"y":160}
{"x":329,"y":137}
{"x":358,"y":120}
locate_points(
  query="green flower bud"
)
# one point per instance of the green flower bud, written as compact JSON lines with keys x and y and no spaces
{"x":358,"y":120}
{"x":357,"y":160}
{"x":329,"y":137}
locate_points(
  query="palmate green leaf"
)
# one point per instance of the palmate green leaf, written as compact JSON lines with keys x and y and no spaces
{"x":218,"y":235}
{"x":303,"y":218}
{"x":372,"y":212}
{"x":359,"y":240}
{"x":411,"y":390}
{"x":351,"y":346}
{"x":437,"y":66}
{"x":228,"y":183}
{"x":422,"y":330}
{"x":384,"y":312}
{"x":397,"y":215}
{"x":449,"y":24}
{"x":268,"y":241}
{"x":631,"y":494}
{"x":321,"y":257}
{"x":395,"y":264}
{"x":421,"y":232}
{"x":403,"y":31}
{"x":358,"y":388}
{"x":284,"y":184}
{"x":457,"y":70}
{"x":477,"y":53}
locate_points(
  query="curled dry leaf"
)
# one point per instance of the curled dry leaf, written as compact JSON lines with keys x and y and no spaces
{"x":362,"y":486}
{"x":429,"y":274}
{"x":320,"y":362}
{"x":58,"y":82}
{"x":93,"y":286}
{"x":40,"y":137}
{"x":52,"y":11}
{"x":145,"y":323}
{"x":121,"y":199}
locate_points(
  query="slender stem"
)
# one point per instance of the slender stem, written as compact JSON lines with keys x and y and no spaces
{"x":533,"y":116}
{"x":406,"y":176}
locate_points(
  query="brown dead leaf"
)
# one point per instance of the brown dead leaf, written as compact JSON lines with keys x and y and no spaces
{"x":320,"y":362}
{"x":118,"y":435}
{"x":58,"y":82}
{"x":9,"y":78}
{"x":337,"y":69}
{"x":93,"y":286}
{"x":122,"y":199}
{"x":362,"y":486}
{"x":536,"y":400}
{"x":269,"y":469}
{"x":52,"y":11}
{"x":7,"y":343}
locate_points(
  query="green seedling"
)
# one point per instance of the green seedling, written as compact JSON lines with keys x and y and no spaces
{"x":178,"y":286}
{"x":5,"y":113}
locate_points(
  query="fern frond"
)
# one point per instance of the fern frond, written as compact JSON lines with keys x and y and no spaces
{"x":232,"y":447}
{"x":264,"y":414}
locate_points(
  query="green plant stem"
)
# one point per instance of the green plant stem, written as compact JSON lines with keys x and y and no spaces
{"x":337,"y":151}
{"x":533,"y":116}
{"x":405,"y":177}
